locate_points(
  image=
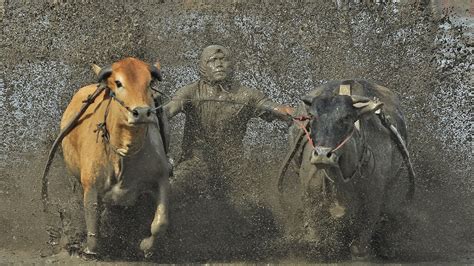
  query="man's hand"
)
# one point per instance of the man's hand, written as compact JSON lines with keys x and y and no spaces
{"x":288,"y":110}
{"x":285,"y":111}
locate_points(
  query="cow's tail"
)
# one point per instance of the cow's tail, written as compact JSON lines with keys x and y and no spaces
{"x":402,"y":147}
{"x":44,"y":180}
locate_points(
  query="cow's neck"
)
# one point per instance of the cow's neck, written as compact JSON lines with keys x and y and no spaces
{"x":124,"y":139}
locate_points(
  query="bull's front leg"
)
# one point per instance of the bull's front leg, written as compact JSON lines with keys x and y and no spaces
{"x":368,"y":218}
{"x":92,"y":222}
{"x":160,"y":220}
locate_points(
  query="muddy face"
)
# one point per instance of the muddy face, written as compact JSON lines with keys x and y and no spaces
{"x":215,"y":64}
{"x":217,"y":67}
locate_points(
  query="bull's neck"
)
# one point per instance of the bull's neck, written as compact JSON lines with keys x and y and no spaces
{"x":124,"y":138}
{"x":351,"y":154}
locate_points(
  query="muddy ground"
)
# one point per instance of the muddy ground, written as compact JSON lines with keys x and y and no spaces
{"x":283,"y":49}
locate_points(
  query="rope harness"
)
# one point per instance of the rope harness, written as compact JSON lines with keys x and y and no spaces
{"x":104,"y":132}
{"x":297,"y":120}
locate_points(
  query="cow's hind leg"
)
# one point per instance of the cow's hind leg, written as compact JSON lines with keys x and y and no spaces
{"x":160,"y":220}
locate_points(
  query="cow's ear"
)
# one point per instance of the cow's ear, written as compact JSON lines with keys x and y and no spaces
{"x":365,"y":105}
{"x":104,"y":73}
{"x":155,"y":71}
{"x":308,"y":100}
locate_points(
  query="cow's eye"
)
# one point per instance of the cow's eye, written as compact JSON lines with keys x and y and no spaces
{"x":118,"y":83}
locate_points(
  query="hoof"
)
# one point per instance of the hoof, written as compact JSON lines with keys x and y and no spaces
{"x":148,"y":255}
{"x":359,"y":254}
{"x":359,"y":258}
{"x":146,"y":246}
{"x":89,"y":255}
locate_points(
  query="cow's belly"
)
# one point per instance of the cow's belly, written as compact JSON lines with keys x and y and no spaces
{"x":127,"y":195}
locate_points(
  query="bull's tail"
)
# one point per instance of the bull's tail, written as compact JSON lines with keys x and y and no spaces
{"x":44,"y":181}
{"x":402,"y":147}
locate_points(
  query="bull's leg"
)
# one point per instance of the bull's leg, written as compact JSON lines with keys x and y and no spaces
{"x":91,"y":217}
{"x":160,"y":220}
{"x":360,"y":246}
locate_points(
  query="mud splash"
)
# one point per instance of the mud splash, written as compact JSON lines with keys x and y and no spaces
{"x":283,"y":49}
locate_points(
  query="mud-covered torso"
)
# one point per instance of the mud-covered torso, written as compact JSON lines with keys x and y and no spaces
{"x":216,"y":119}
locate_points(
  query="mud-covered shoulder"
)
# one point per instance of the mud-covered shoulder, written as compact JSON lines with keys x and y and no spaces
{"x":187,"y":89}
{"x":252,"y":95}
{"x":391,"y":104}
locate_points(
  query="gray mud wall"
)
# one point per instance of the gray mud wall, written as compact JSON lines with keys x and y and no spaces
{"x":283,"y":49}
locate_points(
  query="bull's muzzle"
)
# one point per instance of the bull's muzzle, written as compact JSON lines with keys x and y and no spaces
{"x":324,"y":156}
{"x":140,"y":115}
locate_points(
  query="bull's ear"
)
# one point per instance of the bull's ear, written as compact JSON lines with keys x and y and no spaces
{"x":155,"y":71}
{"x":365,"y":105}
{"x":308,"y":100}
{"x":96,"y":68}
{"x":104,"y":73}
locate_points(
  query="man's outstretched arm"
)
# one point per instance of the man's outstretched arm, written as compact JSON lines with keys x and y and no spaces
{"x":177,"y":103}
{"x":270,"y":110}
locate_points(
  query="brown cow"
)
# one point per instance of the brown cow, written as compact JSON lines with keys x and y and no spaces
{"x":130,"y":159}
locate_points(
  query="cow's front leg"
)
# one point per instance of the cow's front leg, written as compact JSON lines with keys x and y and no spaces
{"x":91,"y":217}
{"x":160,"y":220}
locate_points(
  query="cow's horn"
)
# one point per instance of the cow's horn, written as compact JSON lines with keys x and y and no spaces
{"x":96,"y":68}
{"x":104,"y":73}
{"x":156,"y":72}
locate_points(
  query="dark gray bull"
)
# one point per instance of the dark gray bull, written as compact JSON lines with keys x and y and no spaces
{"x":349,"y":167}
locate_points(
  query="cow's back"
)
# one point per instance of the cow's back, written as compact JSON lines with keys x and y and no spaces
{"x":80,"y":144}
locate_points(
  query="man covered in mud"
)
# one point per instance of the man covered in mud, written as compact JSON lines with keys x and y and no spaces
{"x":217,"y":110}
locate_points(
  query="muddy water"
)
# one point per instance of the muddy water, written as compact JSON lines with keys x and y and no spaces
{"x":283,"y":49}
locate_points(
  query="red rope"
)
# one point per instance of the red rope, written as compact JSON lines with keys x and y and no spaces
{"x":303,"y":126}
{"x":298,"y":119}
{"x":344,"y":141}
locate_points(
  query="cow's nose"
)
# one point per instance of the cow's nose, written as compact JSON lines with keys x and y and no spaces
{"x":323,"y":151}
{"x":140,"y":115}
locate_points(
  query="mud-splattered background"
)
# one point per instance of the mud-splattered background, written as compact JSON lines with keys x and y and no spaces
{"x":282,"y":48}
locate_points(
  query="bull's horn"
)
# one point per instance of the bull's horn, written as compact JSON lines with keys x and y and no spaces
{"x":308,"y":99}
{"x":359,"y":99}
{"x":156,"y":71}
{"x":96,"y":68}
{"x":365,"y":105}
